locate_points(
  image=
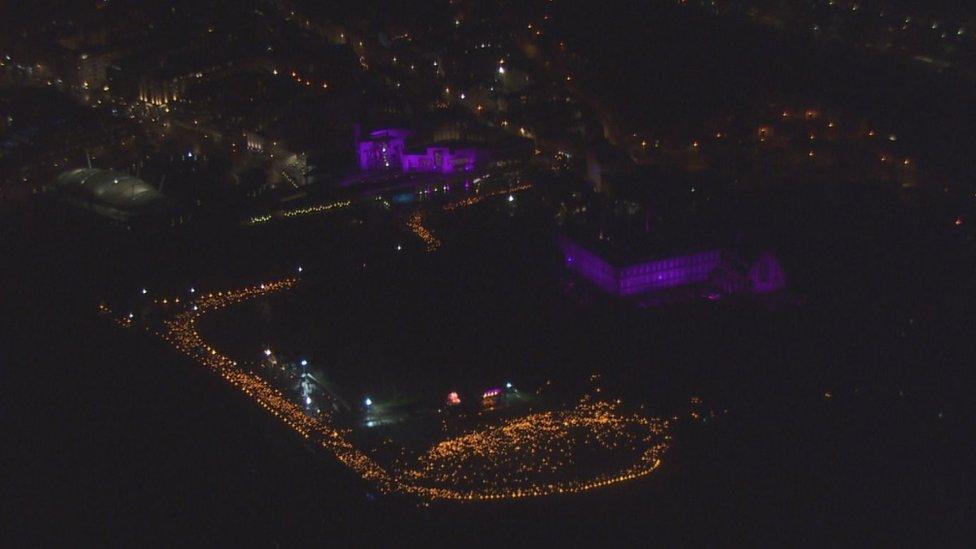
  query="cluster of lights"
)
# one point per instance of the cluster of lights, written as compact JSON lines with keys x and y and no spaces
{"x":416,"y":226}
{"x":524,"y":457}
{"x":123,"y":321}
{"x":297,"y":212}
{"x":810,"y":115}
{"x":181,"y":332}
{"x":472,"y":200}
{"x":305,"y":81}
{"x":318,"y":208}
{"x":893,"y":23}
{"x":542,"y":454}
{"x":815,"y":120}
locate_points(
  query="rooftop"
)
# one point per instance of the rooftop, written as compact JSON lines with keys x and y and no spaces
{"x":623,"y":238}
{"x":114,"y":194}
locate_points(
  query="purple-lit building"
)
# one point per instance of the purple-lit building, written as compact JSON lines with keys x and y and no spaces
{"x":765,"y":274}
{"x":441,"y":159}
{"x":383,"y":150}
{"x":386,"y":150}
{"x":657,"y":274}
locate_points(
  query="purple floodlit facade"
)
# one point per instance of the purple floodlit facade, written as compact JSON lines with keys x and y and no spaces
{"x":441,"y":159}
{"x":383,"y":150}
{"x":634,"y":279}
{"x":764,"y":276}
{"x":386,"y":150}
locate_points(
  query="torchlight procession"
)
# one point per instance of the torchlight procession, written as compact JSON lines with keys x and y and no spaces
{"x":508,"y":459}
{"x":298,"y":212}
{"x":539,"y":454}
{"x":431,"y":242}
{"x":472,"y":200}
{"x":416,"y":226}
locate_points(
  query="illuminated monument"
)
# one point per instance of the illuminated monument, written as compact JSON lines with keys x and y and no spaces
{"x":386,"y":150}
{"x":763,"y":276}
{"x":383,"y":150}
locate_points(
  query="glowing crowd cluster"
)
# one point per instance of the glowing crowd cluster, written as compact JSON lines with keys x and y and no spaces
{"x":181,"y":332}
{"x":535,"y":455}
{"x":416,"y":226}
{"x":544,"y":453}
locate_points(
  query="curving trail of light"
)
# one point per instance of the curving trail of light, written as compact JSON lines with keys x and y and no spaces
{"x":318,"y":208}
{"x":501,"y":462}
{"x":431,"y":242}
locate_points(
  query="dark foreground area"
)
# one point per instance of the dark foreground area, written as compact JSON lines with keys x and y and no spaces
{"x":128,"y":445}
